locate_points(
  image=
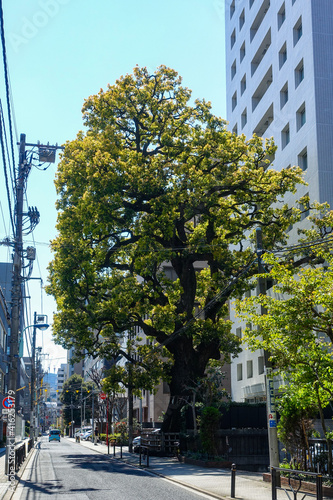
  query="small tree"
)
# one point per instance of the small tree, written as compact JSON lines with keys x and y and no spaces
{"x":296,"y":329}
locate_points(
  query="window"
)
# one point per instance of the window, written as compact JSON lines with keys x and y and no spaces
{"x":303,"y":159}
{"x":239,"y":371}
{"x":232,"y":8}
{"x":262,"y":88}
{"x":234,"y":101}
{"x":298,"y":30}
{"x":243,"y":84}
{"x":259,"y":18}
{"x":239,"y":332}
{"x":244,"y":118}
{"x":285,"y":136}
{"x":242,"y":52}
{"x":241,"y":20}
{"x":233,"y":69}
{"x":281,"y":15}
{"x":282,"y":55}
{"x":235,"y":129}
{"x":233,"y":39}
{"x":300,"y":117}
{"x":261,"y":365}
{"x":2,"y":336}
{"x":299,"y":73}
{"x":249,"y":369}
{"x":265,"y":122}
{"x":264,"y":46}
{"x":284,"y":95}
{"x":251,"y":3}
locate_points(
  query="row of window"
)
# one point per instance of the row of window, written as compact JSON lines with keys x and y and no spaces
{"x":251,"y":2}
{"x":281,"y":17}
{"x":266,"y":83}
{"x":268,"y":117}
{"x":265,"y":44}
{"x":249,"y":368}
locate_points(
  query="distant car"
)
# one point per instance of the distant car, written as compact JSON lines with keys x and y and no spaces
{"x":54,"y":435}
{"x":87,"y":435}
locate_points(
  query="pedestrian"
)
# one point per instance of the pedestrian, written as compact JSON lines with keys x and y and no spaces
{"x":96,"y":436}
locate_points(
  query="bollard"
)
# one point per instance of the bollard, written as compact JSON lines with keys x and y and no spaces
{"x":140,"y":454}
{"x":233,"y":480}
{"x":273,"y":479}
{"x":121,"y":451}
{"x":114,"y":449}
{"x":319,"y":487}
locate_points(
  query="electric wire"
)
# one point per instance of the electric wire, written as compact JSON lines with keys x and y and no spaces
{"x":3,"y":152}
{"x":9,"y":109}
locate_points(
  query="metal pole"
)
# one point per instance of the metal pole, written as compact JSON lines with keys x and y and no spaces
{"x":319,"y":487}
{"x":33,"y":381}
{"x":273,"y":442}
{"x":16,"y":296}
{"x":107,"y":421}
{"x":233,"y":480}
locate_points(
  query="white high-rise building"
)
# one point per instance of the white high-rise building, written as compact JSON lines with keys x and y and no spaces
{"x":279,"y":67}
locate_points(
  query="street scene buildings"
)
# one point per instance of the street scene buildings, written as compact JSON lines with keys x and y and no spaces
{"x":279,"y":84}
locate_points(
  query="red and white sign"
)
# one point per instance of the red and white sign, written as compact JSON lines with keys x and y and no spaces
{"x":102,"y":395}
{"x":8,"y":402}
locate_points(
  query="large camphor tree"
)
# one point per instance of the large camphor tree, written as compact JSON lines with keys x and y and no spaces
{"x":157,"y":182}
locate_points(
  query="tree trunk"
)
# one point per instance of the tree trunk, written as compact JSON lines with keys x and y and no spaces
{"x":189,"y":365}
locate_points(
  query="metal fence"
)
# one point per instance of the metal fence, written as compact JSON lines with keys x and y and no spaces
{"x":295,"y":484}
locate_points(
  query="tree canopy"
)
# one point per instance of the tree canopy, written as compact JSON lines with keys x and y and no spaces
{"x":158,"y":203}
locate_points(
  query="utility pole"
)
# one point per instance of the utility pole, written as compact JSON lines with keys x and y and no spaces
{"x":273,"y":442}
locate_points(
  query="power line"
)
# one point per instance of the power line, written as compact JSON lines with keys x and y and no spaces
{"x":4,"y":56}
{"x":2,"y":127}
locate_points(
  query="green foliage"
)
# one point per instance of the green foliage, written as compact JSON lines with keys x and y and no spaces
{"x":295,"y":425}
{"x":74,"y":391}
{"x":209,"y":425}
{"x":296,"y":330}
{"x":153,"y":189}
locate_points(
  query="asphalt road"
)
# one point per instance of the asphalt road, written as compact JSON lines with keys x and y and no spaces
{"x":67,"y":471}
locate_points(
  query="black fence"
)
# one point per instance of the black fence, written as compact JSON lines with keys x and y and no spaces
{"x":295,"y":483}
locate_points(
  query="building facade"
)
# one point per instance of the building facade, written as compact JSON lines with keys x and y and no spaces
{"x":279,"y":75}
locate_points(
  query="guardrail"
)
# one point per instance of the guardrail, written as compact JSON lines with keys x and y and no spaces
{"x":20,"y":456}
{"x":295,"y":480}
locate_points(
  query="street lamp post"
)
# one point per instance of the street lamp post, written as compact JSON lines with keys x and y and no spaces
{"x":40,"y":326}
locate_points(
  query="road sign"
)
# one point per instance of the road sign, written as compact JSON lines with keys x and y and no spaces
{"x":102,"y":395}
{"x":5,"y":411}
{"x":8,"y":402}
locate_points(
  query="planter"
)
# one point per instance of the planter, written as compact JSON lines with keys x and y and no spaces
{"x":218,"y":464}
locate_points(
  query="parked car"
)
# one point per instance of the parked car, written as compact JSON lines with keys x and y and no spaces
{"x":137,"y":440}
{"x":87,"y":435}
{"x":54,"y":435}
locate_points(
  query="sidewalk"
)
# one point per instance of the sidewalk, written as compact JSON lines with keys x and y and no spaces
{"x":214,"y":482}
{"x":4,"y":483}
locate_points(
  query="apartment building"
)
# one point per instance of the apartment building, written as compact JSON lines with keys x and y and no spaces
{"x":279,"y":69}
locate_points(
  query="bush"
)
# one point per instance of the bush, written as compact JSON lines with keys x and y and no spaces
{"x":210,"y":419}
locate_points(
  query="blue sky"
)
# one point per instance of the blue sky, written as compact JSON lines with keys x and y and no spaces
{"x":62,"y":51}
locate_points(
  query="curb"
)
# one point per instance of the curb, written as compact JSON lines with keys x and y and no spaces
{"x":10,"y":492}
